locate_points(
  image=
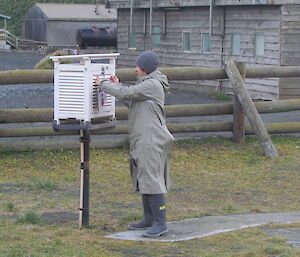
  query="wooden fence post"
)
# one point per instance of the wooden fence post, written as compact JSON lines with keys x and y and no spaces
{"x":238,"y":113}
{"x":249,"y":108}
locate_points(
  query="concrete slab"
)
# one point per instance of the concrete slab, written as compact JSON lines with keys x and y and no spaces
{"x":201,"y":227}
{"x":292,"y":235}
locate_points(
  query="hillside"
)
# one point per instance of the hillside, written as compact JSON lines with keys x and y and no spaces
{"x":16,"y":9}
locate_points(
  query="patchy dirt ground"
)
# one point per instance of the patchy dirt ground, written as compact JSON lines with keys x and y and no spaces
{"x":211,"y":177}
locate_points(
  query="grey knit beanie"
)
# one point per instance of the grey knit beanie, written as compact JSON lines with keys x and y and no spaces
{"x":147,"y":61}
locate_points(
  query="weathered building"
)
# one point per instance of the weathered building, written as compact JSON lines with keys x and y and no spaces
{"x":207,"y":33}
{"x":3,"y":41}
{"x":57,"y":24}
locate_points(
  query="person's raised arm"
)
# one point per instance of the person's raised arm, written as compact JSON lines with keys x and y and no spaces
{"x":139,"y":92}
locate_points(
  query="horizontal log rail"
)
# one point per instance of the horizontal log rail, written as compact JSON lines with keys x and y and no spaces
{"x":46,"y":115}
{"x":174,"y":73}
{"x":242,"y":95}
{"x":185,"y":110}
{"x":288,"y":127}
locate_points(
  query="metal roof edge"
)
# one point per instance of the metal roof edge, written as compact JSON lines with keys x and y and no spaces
{"x":125,"y":4}
{"x":5,"y":17}
{"x":82,"y":19}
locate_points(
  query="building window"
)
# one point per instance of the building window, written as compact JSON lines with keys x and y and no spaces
{"x":206,"y":44}
{"x":236,"y":44}
{"x":156,"y":37}
{"x":259,"y":44}
{"x":132,"y":37}
{"x":186,"y":41}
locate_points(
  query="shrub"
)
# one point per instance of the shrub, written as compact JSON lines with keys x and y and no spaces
{"x":30,"y":218}
{"x":40,"y":184}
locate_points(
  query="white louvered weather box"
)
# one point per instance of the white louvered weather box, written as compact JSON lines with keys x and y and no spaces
{"x":78,"y":102}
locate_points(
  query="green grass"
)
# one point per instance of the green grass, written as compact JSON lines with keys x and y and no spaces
{"x":9,"y":207}
{"x":220,"y":96}
{"x":46,"y":63}
{"x":29,"y":218}
{"x":211,"y":176}
{"x":38,"y":184}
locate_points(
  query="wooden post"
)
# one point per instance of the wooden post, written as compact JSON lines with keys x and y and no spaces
{"x":249,"y":108}
{"x":238,"y":129}
{"x":238,"y":113}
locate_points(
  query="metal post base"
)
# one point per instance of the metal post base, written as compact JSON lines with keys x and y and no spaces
{"x":84,"y":178}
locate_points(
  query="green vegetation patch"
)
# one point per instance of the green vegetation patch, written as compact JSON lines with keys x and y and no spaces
{"x":40,"y":184}
{"x":211,"y":176}
{"x":220,"y":96}
{"x":30,"y":218}
{"x":9,"y":206}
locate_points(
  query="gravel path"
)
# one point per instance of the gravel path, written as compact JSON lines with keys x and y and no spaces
{"x":37,"y":95}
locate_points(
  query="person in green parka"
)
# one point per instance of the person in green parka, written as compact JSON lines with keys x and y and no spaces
{"x":149,"y":139}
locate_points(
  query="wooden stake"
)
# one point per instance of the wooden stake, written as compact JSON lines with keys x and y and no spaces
{"x":249,"y":108}
{"x":238,"y":113}
{"x":238,"y":129}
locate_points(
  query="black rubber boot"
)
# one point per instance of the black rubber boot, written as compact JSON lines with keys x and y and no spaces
{"x":158,"y":208}
{"x":147,"y":221}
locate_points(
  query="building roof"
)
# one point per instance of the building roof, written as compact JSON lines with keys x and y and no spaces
{"x":57,"y":11}
{"x":4,"y":17}
{"x":119,"y":4}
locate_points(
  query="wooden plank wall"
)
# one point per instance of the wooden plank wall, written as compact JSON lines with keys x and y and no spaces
{"x":248,"y":21}
{"x":289,"y":88}
{"x":171,"y":43}
{"x":194,"y":20}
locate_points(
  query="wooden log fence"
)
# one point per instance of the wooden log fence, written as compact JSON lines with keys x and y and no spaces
{"x":272,"y":128}
{"x":183,"y":110}
{"x":187,"y":110}
{"x":245,"y":101}
{"x":288,"y":127}
{"x":174,"y":73}
{"x":232,"y":71}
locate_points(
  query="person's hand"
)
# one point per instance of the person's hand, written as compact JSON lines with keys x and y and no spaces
{"x":114,"y":79}
{"x":98,"y":80}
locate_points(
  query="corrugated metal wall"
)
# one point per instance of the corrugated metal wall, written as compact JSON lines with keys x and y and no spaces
{"x":63,"y":33}
{"x":35,"y":25}
{"x":56,"y":32}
